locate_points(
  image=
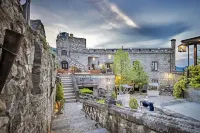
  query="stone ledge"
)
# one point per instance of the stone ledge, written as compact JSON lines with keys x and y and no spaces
{"x":149,"y":121}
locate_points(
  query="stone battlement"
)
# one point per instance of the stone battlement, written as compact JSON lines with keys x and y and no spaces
{"x":130,"y":50}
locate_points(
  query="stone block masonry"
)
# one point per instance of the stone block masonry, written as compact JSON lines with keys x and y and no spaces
{"x":26,"y":102}
{"x":156,"y":61}
{"x":120,"y":120}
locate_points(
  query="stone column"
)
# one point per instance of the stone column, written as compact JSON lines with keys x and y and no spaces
{"x":173,"y":55}
{"x":26,"y":11}
{"x":109,"y":93}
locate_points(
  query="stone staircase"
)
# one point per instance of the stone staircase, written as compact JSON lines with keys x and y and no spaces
{"x":69,"y":93}
{"x":74,"y":120}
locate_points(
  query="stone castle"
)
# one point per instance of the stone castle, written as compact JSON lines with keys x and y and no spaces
{"x":72,"y":51}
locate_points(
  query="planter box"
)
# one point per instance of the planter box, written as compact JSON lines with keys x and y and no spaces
{"x":60,"y":70}
{"x":192,"y":94}
{"x":63,"y":71}
{"x":95,"y":71}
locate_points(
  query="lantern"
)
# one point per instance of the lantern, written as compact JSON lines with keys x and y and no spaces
{"x":10,"y":48}
{"x":182,"y":48}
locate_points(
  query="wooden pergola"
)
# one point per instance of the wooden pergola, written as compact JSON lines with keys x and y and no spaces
{"x":187,"y":43}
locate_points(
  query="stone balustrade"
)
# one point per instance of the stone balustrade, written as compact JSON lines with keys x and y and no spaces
{"x":120,"y":120}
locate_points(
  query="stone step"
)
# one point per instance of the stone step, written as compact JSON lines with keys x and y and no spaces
{"x":66,"y":80}
{"x":64,"y":75}
{"x":70,"y":97}
{"x":67,"y":86}
{"x":70,"y":100}
{"x":100,"y":130}
{"x":66,"y":83}
{"x":68,"y":91}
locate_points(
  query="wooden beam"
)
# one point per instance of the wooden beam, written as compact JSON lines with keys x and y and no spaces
{"x":188,"y":55}
{"x":188,"y":61}
{"x":195,"y":54}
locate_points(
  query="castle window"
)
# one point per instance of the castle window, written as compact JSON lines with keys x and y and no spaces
{"x":154,"y":66}
{"x":154,"y":80}
{"x":63,"y":52}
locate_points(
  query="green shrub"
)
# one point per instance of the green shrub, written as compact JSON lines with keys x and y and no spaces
{"x":194,"y":76}
{"x":133,"y":103}
{"x":103,"y":68}
{"x":195,"y":82}
{"x":113,"y":95}
{"x":86,"y":91}
{"x":102,"y":101}
{"x":179,"y":87}
{"x":119,"y":105}
{"x":59,"y":92}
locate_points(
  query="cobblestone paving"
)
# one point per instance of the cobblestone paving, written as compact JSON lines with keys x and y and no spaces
{"x":73,"y":120}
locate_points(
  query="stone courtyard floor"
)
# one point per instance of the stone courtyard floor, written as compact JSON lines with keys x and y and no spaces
{"x":181,"y":106}
{"x":73,"y":120}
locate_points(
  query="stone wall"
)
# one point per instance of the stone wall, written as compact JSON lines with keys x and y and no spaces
{"x":83,"y":58}
{"x":95,"y":81}
{"x":146,"y":60}
{"x":192,"y":94}
{"x":26,"y":102}
{"x":120,"y":120}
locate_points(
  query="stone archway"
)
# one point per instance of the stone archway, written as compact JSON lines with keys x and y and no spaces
{"x":64,"y":65}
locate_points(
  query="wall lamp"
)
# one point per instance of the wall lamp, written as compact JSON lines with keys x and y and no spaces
{"x":10,"y":48}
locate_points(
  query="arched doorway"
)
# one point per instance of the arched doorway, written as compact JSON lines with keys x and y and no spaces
{"x":64,"y":64}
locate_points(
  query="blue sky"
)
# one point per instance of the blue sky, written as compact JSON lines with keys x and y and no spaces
{"x":116,"y":23}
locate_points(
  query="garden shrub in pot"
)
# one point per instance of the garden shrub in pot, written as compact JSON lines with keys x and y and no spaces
{"x":59,"y":97}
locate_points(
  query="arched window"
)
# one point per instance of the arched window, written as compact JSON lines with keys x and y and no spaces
{"x":63,"y":52}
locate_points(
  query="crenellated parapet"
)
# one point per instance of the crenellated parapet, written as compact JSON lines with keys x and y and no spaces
{"x":66,"y":40}
{"x":38,"y":25}
{"x":131,"y":51}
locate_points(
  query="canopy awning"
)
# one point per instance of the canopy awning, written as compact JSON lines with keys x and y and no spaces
{"x":191,"y":41}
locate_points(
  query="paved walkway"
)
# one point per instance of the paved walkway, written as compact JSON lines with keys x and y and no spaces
{"x":186,"y":108}
{"x":190,"y":109}
{"x":73,"y":120}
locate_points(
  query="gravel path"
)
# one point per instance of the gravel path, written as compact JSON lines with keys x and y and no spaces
{"x":73,"y":120}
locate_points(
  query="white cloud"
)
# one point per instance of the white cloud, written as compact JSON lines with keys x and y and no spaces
{"x":112,"y":15}
{"x":122,"y":16}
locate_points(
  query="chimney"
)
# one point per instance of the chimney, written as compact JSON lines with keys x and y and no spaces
{"x":71,"y":35}
{"x":173,"y":43}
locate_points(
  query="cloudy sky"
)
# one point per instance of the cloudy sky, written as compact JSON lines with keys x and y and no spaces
{"x":116,"y":23}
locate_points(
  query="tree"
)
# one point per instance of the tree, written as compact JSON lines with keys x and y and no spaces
{"x":122,"y":65}
{"x":138,"y":75}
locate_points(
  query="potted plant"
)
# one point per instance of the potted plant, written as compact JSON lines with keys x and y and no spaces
{"x":103,"y":69}
{"x":59,"y":97}
{"x":114,"y":97}
{"x":133,"y":103}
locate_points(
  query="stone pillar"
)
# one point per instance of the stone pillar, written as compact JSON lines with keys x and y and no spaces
{"x":26,"y":11}
{"x":109,"y":93}
{"x":173,"y":55}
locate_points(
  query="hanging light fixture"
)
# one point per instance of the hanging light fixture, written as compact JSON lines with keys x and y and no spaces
{"x":182,"y":48}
